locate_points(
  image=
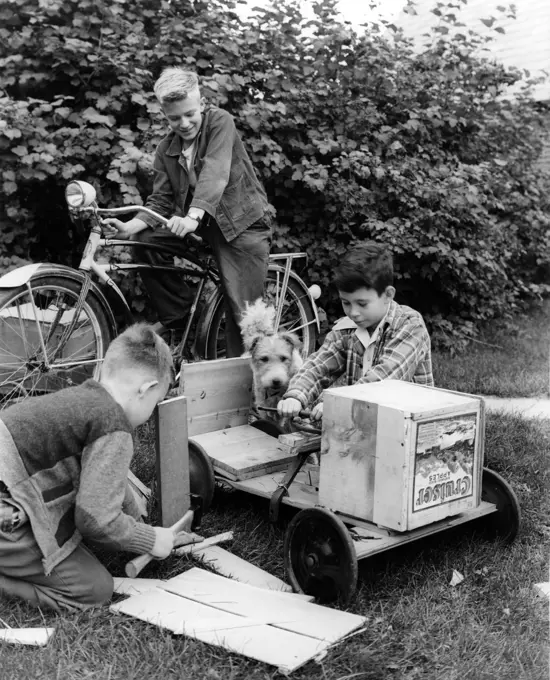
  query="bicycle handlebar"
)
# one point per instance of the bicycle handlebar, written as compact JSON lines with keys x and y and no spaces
{"x":134,"y":208}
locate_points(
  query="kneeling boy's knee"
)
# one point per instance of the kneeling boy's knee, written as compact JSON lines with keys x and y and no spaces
{"x":98,"y":591}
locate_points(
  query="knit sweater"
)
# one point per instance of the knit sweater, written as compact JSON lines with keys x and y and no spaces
{"x":64,"y":458}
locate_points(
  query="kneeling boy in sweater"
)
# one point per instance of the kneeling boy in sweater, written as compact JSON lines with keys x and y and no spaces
{"x":64,"y":460}
{"x":377,"y":339}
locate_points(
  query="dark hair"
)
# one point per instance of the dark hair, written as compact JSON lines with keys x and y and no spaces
{"x":365,"y":265}
{"x":140,"y":347}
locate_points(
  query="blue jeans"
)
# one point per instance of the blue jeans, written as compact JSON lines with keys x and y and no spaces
{"x":79,"y":582}
{"x":242,"y":265}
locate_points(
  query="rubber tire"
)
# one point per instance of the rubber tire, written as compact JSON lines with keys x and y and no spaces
{"x":294,"y":544}
{"x":505,"y":523}
{"x":106,"y":330}
{"x":206,"y":344}
{"x":201,"y":475}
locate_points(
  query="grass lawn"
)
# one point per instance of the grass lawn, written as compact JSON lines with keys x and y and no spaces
{"x":509,"y":359}
{"x":490,"y":626}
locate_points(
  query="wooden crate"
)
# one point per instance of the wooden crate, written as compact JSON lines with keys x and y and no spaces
{"x":400,"y":455}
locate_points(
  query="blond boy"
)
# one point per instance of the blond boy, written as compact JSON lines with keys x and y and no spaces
{"x":64,"y":460}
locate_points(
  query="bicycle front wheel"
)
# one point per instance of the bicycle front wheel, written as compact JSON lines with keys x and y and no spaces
{"x":41,"y":349}
{"x":297,"y":316}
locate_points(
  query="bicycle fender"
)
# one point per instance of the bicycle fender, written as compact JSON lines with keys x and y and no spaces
{"x":22,"y":275}
{"x":301,"y":283}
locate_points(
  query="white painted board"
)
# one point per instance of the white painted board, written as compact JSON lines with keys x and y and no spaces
{"x":286,"y":650}
{"x":304,"y":618}
{"x":236,"y":568}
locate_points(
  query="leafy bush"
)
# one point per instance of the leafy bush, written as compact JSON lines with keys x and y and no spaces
{"x":355,"y":137}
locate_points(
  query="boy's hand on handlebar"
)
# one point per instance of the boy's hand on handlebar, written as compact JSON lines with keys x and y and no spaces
{"x":182,"y":226}
{"x":112,"y":227}
{"x":317,"y":412}
{"x":289,"y":408}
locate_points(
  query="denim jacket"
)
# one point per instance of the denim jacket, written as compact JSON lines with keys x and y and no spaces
{"x":227,"y":186}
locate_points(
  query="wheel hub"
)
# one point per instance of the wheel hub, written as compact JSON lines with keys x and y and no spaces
{"x":311,"y":561}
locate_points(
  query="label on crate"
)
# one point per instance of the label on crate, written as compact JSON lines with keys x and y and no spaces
{"x":444,"y":461}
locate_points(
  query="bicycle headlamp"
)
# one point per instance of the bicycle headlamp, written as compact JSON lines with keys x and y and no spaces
{"x":79,"y":194}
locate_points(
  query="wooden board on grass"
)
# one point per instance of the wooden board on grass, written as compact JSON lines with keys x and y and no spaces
{"x":264,"y":625}
{"x":236,"y":568}
{"x":134,"y":586}
{"x":243,"y":452}
{"x":304,"y":618}
{"x":250,"y":637}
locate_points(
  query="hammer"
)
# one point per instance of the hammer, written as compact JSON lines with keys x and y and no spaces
{"x":134,"y":566}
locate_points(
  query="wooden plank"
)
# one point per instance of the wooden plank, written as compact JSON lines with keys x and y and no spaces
{"x":286,"y":650}
{"x":304,"y":618}
{"x":236,"y":568}
{"x":244,"y":451}
{"x":222,"y":388}
{"x":368,"y":547}
{"x":299,"y":495}
{"x":413,"y":400}
{"x":172,"y":459}
{"x":139,"y":485}
{"x":219,"y":420}
{"x":389,"y":475}
{"x":348,"y":453}
{"x":207,"y":542}
{"x":135,"y":586}
{"x":136,"y":489}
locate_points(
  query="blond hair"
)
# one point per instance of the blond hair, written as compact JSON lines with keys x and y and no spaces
{"x":140,"y":348}
{"x":175,"y":83}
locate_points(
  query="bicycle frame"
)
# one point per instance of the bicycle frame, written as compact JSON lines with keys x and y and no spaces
{"x":201,"y":271}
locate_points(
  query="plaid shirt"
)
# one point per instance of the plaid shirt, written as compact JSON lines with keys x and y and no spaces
{"x":401,"y":352}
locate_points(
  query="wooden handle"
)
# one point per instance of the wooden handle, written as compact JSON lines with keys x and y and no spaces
{"x":136,"y":565}
{"x":139,"y":563}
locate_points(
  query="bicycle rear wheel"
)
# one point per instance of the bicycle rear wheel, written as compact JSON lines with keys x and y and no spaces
{"x":298,"y":316}
{"x":38,"y":354}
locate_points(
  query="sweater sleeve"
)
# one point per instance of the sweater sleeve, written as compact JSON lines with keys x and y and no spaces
{"x":98,"y":509}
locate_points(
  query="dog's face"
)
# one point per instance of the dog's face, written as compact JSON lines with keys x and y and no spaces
{"x":275,"y":359}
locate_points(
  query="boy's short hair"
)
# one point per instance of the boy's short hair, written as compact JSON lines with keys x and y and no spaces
{"x":366,"y":265}
{"x":174,"y":84}
{"x":140,"y":347}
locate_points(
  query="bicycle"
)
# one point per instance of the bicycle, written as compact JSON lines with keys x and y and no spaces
{"x":56,"y":321}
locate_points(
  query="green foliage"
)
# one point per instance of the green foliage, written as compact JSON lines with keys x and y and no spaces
{"x":355,"y":136}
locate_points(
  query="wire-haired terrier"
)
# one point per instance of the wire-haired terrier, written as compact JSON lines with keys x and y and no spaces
{"x":274,"y":357}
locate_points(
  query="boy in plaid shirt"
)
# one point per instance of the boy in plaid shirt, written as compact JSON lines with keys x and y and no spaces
{"x":376,"y":340}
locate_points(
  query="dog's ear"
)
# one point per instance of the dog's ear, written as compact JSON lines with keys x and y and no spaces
{"x":251,"y":343}
{"x":292,"y":339}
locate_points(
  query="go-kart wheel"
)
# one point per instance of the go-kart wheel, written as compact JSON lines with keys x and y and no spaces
{"x":270,"y":427}
{"x":504,"y":523}
{"x":320,"y":557}
{"x":201,"y":475}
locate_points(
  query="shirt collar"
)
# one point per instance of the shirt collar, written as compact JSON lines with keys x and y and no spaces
{"x":176,"y":145}
{"x":345,"y":323}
